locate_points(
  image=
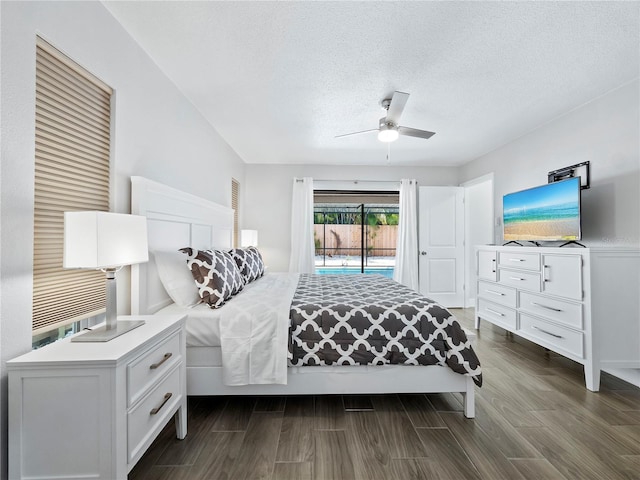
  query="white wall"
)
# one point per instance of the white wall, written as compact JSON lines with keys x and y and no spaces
{"x":605,"y":132}
{"x":157,"y":134}
{"x":478,"y":228}
{"x":267,"y":195}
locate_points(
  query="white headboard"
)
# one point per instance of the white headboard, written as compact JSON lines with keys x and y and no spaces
{"x":175,"y":219}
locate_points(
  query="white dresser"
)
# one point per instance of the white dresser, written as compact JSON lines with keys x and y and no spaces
{"x":582,"y":303}
{"x":90,"y":410}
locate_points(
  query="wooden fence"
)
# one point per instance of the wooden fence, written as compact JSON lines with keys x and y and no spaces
{"x":380,"y":241}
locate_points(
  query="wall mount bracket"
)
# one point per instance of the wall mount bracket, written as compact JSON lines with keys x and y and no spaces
{"x":578,"y":170}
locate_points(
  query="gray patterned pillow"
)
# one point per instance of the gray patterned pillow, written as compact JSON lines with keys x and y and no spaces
{"x":216,"y":274}
{"x":249,"y":262}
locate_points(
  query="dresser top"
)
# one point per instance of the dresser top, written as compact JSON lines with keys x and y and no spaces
{"x":569,"y":250}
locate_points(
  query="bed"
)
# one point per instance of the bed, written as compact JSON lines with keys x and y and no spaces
{"x":177,"y":219}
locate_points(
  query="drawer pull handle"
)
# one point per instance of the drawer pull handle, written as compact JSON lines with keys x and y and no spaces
{"x":166,"y":357}
{"x":155,"y":410}
{"x":544,"y":306}
{"x":496,"y":293}
{"x":495,"y":312}
{"x":544,"y":273}
{"x":516,"y":260}
{"x":516,"y":278}
{"x":548,"y":333}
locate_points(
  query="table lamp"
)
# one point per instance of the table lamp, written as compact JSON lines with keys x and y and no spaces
{"x":105,"y":241}
{"x":248,"y":238}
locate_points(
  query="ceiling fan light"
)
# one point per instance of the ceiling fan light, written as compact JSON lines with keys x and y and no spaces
{"x":388,"y":135}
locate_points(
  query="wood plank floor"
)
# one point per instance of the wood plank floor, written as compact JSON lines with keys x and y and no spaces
{"x":535,"y":420}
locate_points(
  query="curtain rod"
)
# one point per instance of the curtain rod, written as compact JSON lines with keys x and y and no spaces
{"x":352,"y":181}
{"x":356,"y":182}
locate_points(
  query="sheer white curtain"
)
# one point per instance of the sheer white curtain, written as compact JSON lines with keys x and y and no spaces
{"x":406,"y":269}
{"x":302,"y":246}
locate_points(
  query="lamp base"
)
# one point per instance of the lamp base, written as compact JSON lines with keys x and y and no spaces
{"x":104,"y":334}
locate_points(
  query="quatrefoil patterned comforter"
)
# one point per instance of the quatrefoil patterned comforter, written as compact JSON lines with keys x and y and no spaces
{"x":372,"y":320}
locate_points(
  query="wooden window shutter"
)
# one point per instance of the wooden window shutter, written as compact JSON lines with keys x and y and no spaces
{"x":235,"y":202}
{"x":73,"y":139}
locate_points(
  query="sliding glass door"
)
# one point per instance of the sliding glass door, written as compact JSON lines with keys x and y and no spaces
{"x":355,"y":238}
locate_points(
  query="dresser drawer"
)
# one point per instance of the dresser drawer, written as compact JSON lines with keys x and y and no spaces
{"x":567,"y":313}
{"x":152,"y":412}
{"x":519,"y":279}
{"x":497,"y":293}
{"x":145,"y":370}
{"x":528,"y":261}
{"x":558,"y":338}
{"x":497,"y":314}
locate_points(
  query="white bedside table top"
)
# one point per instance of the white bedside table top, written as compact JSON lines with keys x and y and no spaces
{"x":108,"y":353}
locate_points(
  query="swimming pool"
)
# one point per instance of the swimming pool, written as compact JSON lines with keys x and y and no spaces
{"x":386,"y":271}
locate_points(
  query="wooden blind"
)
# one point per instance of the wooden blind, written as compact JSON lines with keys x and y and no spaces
{"x":73,"y":137}
{"x":235,"y":202}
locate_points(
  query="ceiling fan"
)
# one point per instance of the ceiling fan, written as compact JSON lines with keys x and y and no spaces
{"x":388,"y":128}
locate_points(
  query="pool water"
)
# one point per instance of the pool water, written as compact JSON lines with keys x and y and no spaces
{"x":386,"y":271}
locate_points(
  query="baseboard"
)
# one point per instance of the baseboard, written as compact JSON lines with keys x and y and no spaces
{"x":631,"y":375}
{"x":470,"y":302}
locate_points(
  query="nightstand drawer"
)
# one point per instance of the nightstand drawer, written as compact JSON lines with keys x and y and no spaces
{"x":519,"y":279}
{"x":145,"y":370}
{"x":553,"y":336}
{"x":497,"y":293}
{"x":152,"y":413}
{"x":498,"y":314}
{"x":567,"y":313}
{"x":528,"y":261}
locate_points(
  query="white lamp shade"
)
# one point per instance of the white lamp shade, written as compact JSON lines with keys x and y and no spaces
{"x":248,"y":238}
{"x":104,"y":240}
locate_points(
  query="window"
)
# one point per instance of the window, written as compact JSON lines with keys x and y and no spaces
{"x":235,"y":195}
{"x":355,"y":232}
{"x":73,"y":139}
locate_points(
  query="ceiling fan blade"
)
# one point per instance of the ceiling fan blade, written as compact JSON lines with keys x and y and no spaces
{"x":356,"y":133}
{"x":414,"y":132}
{"x":398,"y":101}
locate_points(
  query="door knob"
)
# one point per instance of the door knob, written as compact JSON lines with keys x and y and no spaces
{"x":423,"y":253}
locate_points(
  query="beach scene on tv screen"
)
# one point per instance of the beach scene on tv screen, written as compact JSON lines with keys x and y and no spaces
{"x":545,"y":213}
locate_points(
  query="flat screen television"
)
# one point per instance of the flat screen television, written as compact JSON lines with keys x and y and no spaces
{"x":546,"y":213}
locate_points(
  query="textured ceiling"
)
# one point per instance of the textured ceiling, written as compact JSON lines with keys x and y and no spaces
{"x":279,"y":80}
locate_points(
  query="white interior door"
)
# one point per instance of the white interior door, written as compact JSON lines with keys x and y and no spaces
{"x":441,"y":244}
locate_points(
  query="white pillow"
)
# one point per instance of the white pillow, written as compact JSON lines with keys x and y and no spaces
{"x":176,"y":277}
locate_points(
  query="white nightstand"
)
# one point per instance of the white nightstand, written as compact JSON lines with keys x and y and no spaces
{"x":90,"y":410}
